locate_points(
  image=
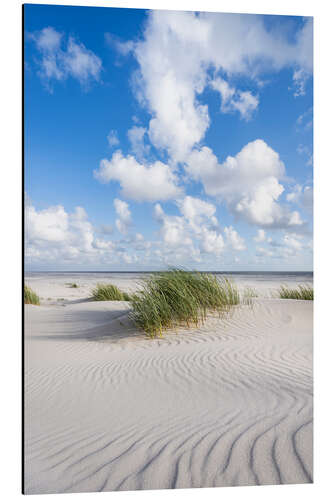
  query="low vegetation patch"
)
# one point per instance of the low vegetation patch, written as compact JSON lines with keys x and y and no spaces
{"x":109,"y":292}
{"x":30,"y":297}
{"x":248,"y":295}
{"x":302,"y":292}
{"x":180,"y":298}
{"x":72,"y":285}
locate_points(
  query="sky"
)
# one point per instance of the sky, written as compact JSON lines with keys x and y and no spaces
{"x":164,"y":138}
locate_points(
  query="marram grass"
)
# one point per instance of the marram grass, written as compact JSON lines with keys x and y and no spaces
{"x":302,"y":292}
{"x":180,"y":298}
{"x":109,"y":292}
{"x":248,"y":295}
{"x":72,"y":285}
{"x":30,"y":297}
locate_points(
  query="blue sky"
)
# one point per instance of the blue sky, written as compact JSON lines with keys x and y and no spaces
{"x":156,"y":138}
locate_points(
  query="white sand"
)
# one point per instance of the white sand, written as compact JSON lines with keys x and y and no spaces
{"x":107,"y":409}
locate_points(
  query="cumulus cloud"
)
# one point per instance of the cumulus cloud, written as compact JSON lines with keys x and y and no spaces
{"x":52,"y":233}
{"x":233,"y":239}
{"x":198,"y":212}
{"x":173,"y":228}
{"x":190,"y":44}
{"x":248,"y":183}
{"x":291,"y":245}
{"x":60,"y":59}
{"x":139,"y":182}
{"x":264,"y":252}
{"x":303,"y":196}
{"x":202,"y":222}
{"x":124,"y":216}
{"x":197,"y":231}
{"x":235,"y":100}
{"x":211,"y":242}
{"x":261,"y":236}
{"x":57,"y":238}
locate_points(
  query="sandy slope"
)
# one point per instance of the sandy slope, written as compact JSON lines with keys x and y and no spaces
{"x":227,"y":404}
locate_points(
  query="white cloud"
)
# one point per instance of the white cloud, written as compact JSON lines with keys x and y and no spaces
{"x":211,"y":242}
{"x":235,"y":100}
{"x":189,"y":44}
{"x":74,"y":60}
{"x":124,"y":48}
{"x":248,"y":183}
{"x":56,"y":238}
{"x":54,"y":234}
{"x":300,"y":78}
{"x":112,"y":138}
{"x":191,"y":233}
{"x":264,"y":252}
{"x":173,"y":228}
{"x":291,"y":245}
{"x":295,"y":219}
{"x":197,"y":212}
{"x":136,"y":136}
{"x":48,"y":39}
{"x":202,"y":224}
{"x":80,"y":62}
{"x":261,"y":236}
{"x":138,"y":181}
{"x":47,"y":225}
{"x":294,"y":195}
{"x":124,"y":216}
{"x":293,"y":241}
{"x":303,"y":196}
{"x":233,"y":239}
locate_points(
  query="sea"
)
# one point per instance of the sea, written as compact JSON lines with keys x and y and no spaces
{"x":260,"y":280}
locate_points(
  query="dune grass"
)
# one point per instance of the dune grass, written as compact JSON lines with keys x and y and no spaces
{"x":302,"y":292}
{"x":30,"y":297}
{"x":248,"y":295}
{"x":72,"y":285}
{"x":180,"y":298}
{"x":109,"y":292}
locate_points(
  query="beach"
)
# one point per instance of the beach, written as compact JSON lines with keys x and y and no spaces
{"x":106,"y":408}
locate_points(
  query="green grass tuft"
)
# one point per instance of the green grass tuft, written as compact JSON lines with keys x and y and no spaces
{"x":73,"y":285}
{"x":126,"y":296}
{"x":180,"y":298}
{"x":302,"y":292}
{"x":30,"y":297}
{"x":109,"y":292}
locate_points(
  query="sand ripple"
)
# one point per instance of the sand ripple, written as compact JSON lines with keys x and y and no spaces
{"x":229,"y":403}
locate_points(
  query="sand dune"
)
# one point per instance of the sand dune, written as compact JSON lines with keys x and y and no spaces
{"x":229,"y":403}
